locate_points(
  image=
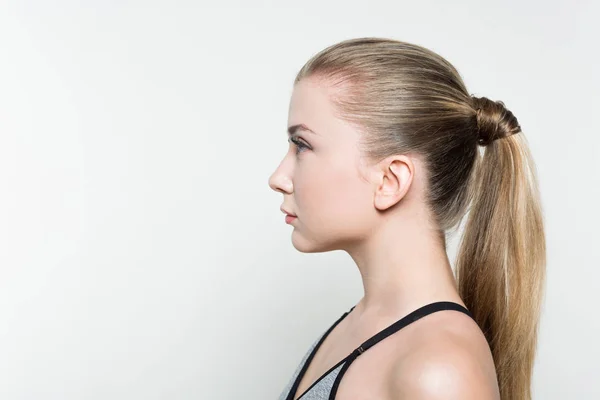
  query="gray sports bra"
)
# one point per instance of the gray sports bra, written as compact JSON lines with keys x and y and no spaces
{"x":325,"y":387}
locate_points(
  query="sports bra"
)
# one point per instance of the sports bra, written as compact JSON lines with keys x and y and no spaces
{"x":325,"y":387}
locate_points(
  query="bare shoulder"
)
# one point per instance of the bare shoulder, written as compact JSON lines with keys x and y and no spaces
{"x":448,"y":363}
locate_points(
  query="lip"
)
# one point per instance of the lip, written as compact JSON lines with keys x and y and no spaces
{"x":290,"y":218}
{"x":287,"y":212}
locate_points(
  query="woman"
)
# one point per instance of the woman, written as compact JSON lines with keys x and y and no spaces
{"x":388,"y":151}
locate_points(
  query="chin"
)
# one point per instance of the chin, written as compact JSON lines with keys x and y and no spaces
{"x":310,"y":246}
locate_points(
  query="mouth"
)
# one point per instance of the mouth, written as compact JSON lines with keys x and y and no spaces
{"x":287,"y":213}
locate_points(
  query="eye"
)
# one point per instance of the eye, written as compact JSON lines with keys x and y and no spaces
{"x":299,"y":144}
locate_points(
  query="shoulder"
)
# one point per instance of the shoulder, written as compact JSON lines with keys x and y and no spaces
{"x":449,"y":367}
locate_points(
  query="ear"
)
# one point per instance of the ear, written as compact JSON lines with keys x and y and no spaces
{"x":395,"y":178}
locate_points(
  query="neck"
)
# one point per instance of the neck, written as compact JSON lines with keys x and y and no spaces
{"x":403,"y":269}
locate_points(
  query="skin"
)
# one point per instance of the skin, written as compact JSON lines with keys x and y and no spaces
{"x":376,"y":213}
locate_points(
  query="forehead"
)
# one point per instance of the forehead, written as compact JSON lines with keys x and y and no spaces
{"x":310,"y":105}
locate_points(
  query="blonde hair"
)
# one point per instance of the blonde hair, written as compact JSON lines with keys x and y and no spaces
{"x":406,"y":98}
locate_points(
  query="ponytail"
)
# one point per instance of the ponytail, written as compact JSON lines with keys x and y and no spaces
{"x":501,"y":260}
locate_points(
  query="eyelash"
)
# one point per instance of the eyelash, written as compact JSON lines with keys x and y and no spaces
{"x":299,"y":144}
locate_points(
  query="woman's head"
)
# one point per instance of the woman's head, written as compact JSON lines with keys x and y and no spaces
{"x":397,"y":140}
{"x":386,"y":117}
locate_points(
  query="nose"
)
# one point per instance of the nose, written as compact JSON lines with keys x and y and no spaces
{"x":280,"y":180}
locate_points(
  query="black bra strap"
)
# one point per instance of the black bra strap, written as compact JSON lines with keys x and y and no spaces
{"x":410,"y":318}
{"x":395,"y":327}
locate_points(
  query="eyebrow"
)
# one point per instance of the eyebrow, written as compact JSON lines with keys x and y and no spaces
{"x":294,"y":128}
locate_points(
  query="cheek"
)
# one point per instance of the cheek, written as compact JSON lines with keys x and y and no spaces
{"x":348,"y":199}
{"x":331,"y":195}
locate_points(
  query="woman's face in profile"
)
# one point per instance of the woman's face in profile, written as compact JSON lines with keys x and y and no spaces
{"x":320,"y":175}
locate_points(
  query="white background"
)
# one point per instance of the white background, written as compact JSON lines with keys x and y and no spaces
{"x":143,"y":254}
